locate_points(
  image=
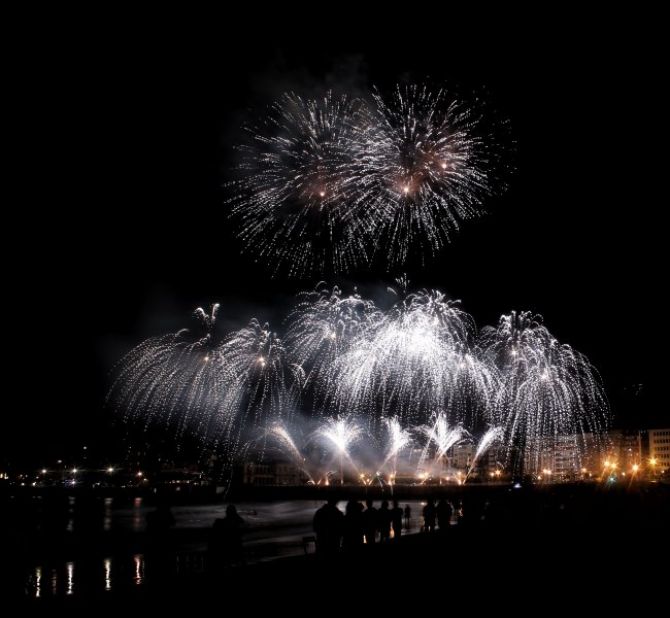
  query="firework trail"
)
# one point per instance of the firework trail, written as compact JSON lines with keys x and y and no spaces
{"x":398,"y":439}
{"x":288,"y":445}
{"x":490,"y":437}
{"x":339,"y":434}
{"x":440,"y":437}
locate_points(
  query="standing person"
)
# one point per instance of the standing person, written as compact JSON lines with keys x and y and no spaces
{"x":408,"y":516}
{"x":429,"y":515}
{"x":328,"y":526}
{"x":444,"y":513}
{"x":353,"y":526}
{"x":384,"y":522}
{"x":370,"y":522}
{"x":396,"y":520}
{"x":225,"y":543}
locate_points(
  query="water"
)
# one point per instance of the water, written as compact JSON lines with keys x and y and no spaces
{"x":273,"y":530}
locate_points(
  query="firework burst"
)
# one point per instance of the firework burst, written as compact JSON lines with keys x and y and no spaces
{"x":390,"y":370}
{"x":325,"y":184}
{"x":181,"y":380}
{"x":298,"y":196}
{"x":408,"y":363}
{"x":323,"y":326}
{"x":256,"y":356}
{"x":548,"y":389}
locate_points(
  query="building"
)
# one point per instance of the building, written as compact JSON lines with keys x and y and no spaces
{"x":584,"y":456}
{"x":624,"y":449}
{"x":460,"y":457}
{"x":659,"y":450}
{"x":273,"y":473}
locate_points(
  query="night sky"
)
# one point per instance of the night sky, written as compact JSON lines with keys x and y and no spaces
{"x":127,"y":139}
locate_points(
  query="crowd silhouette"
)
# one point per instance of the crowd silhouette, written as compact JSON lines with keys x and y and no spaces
{"x":359,"y":525}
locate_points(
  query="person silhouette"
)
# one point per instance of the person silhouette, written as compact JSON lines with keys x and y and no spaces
{"x":328,"y":526}
{"x":396,"y":520}
{"x":225,"y":543}
{"x":353,"y":526}
{"x":408,"y":516}
{"x":429,"y":515}
{"x":384,"y":522}
{"x":370,"y":522}
{"x":444,"y":513}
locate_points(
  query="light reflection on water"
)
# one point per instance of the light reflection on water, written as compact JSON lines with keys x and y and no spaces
{"x":70,"y":578}
{"x":107,"y":521}
{"x":139,"y":569}
{"x":108,"y":573}
{"x":138,"y":515}
{"x":65,"y":581}
{"x":38,"y":582}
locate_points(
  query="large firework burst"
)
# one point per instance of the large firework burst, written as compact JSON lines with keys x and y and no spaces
{"x":325,"y":184}
{"x":418,"y":362}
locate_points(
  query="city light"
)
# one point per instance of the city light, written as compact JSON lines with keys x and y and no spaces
{"x":110,"y":469}
{"x":636,"y":467}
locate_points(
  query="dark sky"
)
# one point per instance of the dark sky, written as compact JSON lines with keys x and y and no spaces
{"x":124,"y":138}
